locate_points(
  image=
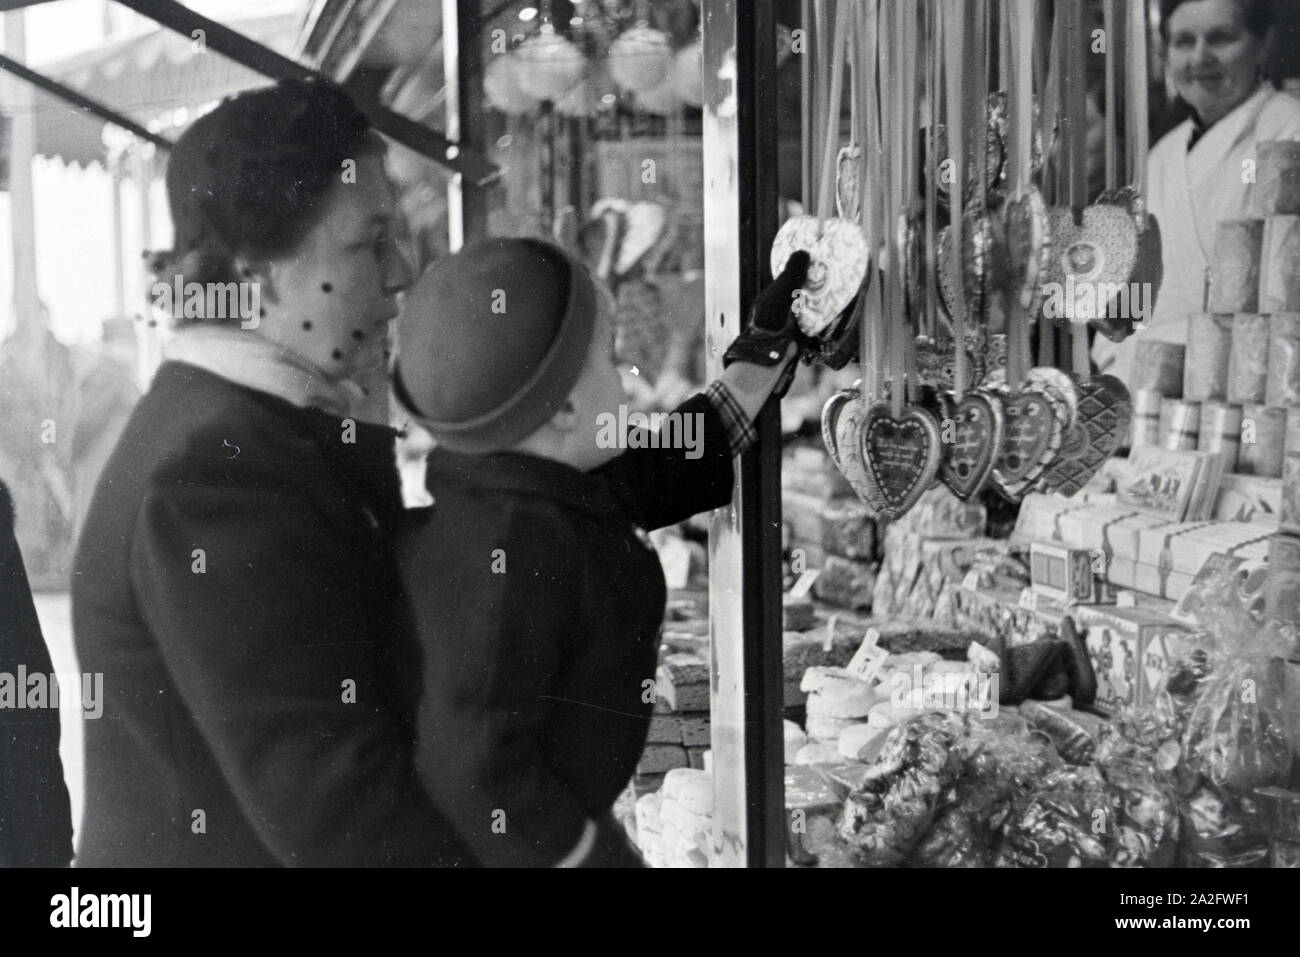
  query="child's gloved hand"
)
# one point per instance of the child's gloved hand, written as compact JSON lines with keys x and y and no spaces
{"x":771,"y":329}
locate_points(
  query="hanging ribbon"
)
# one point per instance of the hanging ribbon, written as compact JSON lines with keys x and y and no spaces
{"x":871,"y":329}
{"x":1024,"y":24}
{"x":1110,"y":26}
{"x":831,"y":144}
{"x":1078,"y":105}
{"x":953,"y":27}
{"x":1137,"y":113}
{"x":932,"y":101}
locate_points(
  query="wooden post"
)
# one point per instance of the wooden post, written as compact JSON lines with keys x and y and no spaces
{"x":740,"y":219}
{"x":462,"y":64}
{"x":22,"y":213}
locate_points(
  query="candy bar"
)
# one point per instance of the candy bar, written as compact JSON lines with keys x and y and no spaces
{"x":1263,"y":441}
{"x":681,"y":696}
{"x":1277,"y":172}
{"x":657,"y":758}
{"x":1282,"y":386}
{"x":1180,"y":424}
{"x":1158,"y":368}
{"x":665,"y":729}
{"x":1279,"y":282}
{"x":1220,"y":431}
{"x":1248,"y":359}
{"x":1238,"y":244}
{"x":1209,"y":343}
{"x":1289,"y":504}
{"x":695,"y":730}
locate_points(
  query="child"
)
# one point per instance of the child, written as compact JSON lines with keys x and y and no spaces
{"x":537,"y":597}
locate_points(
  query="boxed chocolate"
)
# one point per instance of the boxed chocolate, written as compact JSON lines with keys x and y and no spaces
{"x":1062,"y":574}
{"x":1133,"y":652}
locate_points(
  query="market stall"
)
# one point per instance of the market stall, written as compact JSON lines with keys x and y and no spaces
{"x":1033,"y":615}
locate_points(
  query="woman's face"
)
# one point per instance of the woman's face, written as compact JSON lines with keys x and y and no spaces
{"x":333,"y":298}
{"x":1214,"y":59}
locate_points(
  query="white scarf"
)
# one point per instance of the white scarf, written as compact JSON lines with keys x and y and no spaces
{"x":248,"y":359}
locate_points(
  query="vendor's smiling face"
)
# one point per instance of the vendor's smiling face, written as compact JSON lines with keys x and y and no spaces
{"x":1214,"y":58}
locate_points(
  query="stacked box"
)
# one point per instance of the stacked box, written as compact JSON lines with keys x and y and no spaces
{"x":1133,"y":653}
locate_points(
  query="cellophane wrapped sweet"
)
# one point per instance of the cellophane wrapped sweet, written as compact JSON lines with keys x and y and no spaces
{"x":1236,"y":738}
{"x":1002,"y":763}
{"x":1069,"y":821}
{"x":891,"y":812}
{"x":1138,"y":755}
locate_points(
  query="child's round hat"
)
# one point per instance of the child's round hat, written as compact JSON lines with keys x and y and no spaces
{"x":491,"y":341}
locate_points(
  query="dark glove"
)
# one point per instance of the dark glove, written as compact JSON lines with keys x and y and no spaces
{"x":771,"y":329}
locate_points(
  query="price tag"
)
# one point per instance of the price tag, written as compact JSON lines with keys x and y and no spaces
{"x":1028,"y":598}
{"x":868,"y":658}
{"x":829,"y":643}
{"x":803,"y":586}
{"x":972,"y":580}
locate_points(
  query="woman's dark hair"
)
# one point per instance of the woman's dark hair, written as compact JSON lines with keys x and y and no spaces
{"x":1257,"y":15}
{"x":249,"y":177}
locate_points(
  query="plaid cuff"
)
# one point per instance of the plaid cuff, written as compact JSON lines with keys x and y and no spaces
{"x":741,"y":433}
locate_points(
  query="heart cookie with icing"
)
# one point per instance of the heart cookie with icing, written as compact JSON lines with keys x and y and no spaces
{"x":839,"y":254}
{"x":972,"y":443}
{"x":901,"y":457}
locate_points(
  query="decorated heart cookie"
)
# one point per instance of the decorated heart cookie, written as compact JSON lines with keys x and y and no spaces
{"x":972,"y":444}
{"x":1089,"y":262}
{"x":841,"y":431}
{"x":1029,"y":245}
{"x":936,"y":364}
{"x":901,"y":457}
{"x":1036,"y":421}
{"x":983,"y":264}
{"x":1148,"y":265}
{"x":839,"y":253}
{"x":1102,"y":415}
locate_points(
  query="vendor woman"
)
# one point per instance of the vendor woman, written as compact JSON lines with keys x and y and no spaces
{"x":1216,"y":52}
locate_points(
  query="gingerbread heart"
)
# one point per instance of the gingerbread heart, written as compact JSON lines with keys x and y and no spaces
{"x":1149,"y":264}
{"x":936,"y":364}
{"x":1029,"y":244}
{"x":830,"y":421}
{"x":985,"y":264}
{"x":972,"y":442}
{"x":1102,"y":416}
{"x":1090,"y":262}
{"x":841,"y":428}
{"x":901,"y":456}
{"x":839,"y":253}
{"x":1031,"y":440}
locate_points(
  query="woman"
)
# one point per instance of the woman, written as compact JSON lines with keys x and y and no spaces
{"x":234,"y":582}
{"x":1216,"y":52}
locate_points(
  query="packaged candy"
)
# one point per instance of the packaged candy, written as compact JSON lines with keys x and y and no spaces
{"x":1068,"y":822}
{"x":891,"y":812}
